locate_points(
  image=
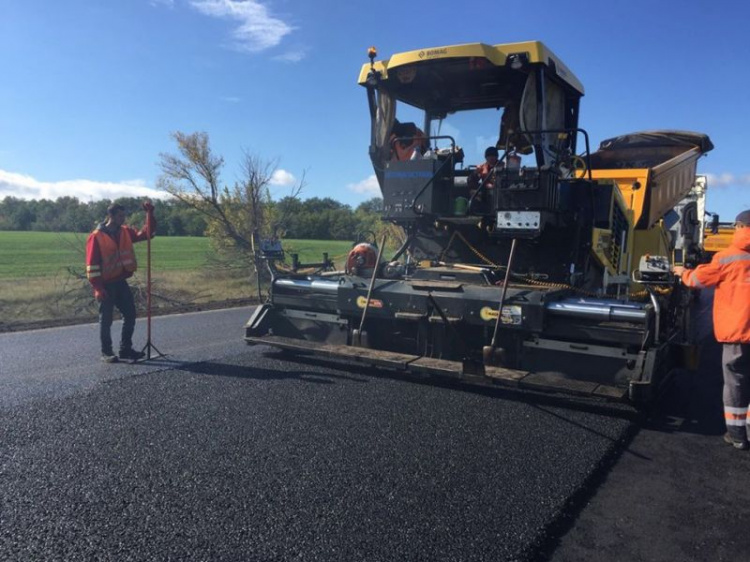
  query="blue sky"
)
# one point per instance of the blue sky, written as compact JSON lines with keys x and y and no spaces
{"x":90,"y":90}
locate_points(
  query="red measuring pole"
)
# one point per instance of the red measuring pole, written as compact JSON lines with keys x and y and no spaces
{"x":149,"y":345}
{"x":148,"y":294}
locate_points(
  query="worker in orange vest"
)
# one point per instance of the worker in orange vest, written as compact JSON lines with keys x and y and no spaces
{"x":486,"y":170}
{"x":110,"y":261}
{"x":485,"y":174}
{"x":729,"y":272}
{"x":407,"y":142}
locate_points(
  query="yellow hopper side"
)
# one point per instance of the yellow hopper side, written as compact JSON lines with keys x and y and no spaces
{"x":654,"y":170}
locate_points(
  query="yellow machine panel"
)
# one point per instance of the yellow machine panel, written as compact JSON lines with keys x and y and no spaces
{"x":715,"y":242}
{"x":630,"y":182}
{"x":610,"y":245}
{"x":604,"y":249}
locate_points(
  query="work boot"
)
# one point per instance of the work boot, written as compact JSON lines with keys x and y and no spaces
{"x":109,"y":357}
{"x":131,"y":354}
{"x":740,"y":444}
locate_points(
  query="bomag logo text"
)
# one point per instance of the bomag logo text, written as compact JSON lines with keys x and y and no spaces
{"x":433,"y":53}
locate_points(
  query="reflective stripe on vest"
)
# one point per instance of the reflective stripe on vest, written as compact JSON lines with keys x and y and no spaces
{"x":117,"y":258}
{"x":93,"y":271}
{"x":736,"y":257}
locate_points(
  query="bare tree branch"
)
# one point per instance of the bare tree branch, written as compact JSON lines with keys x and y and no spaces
{"x":233,"y":215}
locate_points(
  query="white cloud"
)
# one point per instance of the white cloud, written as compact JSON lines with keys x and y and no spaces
{"x":26,"y":187}
{"x":727,"y":180}
{"x":135,"y":183}
{"x":282,"y":178}
{"x":256,"y":31}
{"x":292,"y":56}
{"x":230,"y":99}
{"x":368,"y":186}
{"x":157,"y":3}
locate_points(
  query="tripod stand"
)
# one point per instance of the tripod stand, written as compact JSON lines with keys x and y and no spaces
{"x":149,"y":344}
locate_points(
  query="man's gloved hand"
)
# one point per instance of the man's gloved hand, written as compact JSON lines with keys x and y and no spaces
{"x":100,"y":295}
{"x":148,"y":206}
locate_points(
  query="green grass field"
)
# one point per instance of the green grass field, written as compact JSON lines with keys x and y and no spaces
{"x":47,"y":254}
{"x":41,"y":273}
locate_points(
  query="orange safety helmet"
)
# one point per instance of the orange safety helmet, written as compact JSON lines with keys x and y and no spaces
{"x":362,"y":258}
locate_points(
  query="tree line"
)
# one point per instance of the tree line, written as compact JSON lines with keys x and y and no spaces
{"x":234,"y":216}
{"x":292,"y":217}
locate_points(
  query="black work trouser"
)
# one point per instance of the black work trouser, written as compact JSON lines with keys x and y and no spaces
{"x":736,"y":363}
{"x":118,"y":295}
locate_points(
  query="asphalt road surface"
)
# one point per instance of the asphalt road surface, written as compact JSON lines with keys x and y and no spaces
{"x":219,"y":451}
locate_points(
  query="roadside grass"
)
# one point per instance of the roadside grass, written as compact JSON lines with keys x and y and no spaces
{"x":66,"y":296}
{"x":42,"y":274}
{"x":46,"y":254}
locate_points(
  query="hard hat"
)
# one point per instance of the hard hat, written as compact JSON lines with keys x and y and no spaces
{"x":362,"y":258}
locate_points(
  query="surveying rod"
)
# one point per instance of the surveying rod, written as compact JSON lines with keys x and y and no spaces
{"x":149,"y":345}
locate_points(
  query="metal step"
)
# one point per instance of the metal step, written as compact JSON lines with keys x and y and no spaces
{"x":454,"y":369}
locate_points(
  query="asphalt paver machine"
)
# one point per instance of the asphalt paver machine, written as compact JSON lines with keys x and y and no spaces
{"x":550,"y":271}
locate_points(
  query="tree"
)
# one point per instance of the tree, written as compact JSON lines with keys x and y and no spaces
{"x":176,"y":225}
{"x":97,"y":211}
{"x":232,"y":214}
{"x":288,"y":211}
{"x":46,"y":213}
{"x":371,"y":206}
{"x":16,"y":214}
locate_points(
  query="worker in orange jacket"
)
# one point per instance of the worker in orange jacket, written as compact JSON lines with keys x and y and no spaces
{"x":484,"y":176}
{"x":407,"y":142}
{"x":729,"y":272}
{"x":485,"y":172}
{"x":110,"y":261}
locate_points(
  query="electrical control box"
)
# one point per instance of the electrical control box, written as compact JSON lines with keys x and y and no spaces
{"x":415,"y":188}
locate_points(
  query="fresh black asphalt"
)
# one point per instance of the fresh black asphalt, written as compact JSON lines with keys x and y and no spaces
{"x":677,"y":493}
{"x":224,"y":452}
{"x":246,"y":456}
